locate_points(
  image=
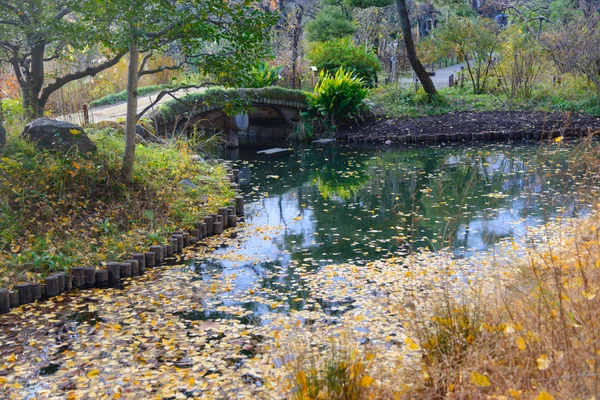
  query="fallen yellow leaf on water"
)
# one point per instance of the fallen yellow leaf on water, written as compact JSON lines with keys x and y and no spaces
{"x":543,"y":362}
{"x":479,"y":379}
{"x":544,"y":396}
{"x":93,"y":373}
{"x":366,"y":381}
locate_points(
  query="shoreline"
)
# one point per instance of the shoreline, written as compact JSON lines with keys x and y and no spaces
{"x":476,"y":126}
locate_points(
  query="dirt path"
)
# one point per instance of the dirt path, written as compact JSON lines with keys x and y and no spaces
{"x":114,"y":112}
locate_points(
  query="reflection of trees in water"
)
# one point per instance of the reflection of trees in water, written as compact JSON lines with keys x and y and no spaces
{"x":425,"y":193}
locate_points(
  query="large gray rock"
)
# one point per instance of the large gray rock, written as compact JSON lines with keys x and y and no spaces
{"x":58,"y":136}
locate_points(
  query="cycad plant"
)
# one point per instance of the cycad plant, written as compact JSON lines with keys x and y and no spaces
{"x":338,"y":98}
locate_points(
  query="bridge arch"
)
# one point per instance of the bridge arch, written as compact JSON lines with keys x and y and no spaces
{"x":262,"y":114}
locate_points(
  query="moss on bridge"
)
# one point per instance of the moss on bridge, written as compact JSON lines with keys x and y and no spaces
{"x":231,"y":100}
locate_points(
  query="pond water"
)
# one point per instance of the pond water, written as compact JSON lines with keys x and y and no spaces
{"x":330,"y":204}
{"x":212,"y":314}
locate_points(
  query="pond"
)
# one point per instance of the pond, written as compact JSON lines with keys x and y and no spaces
{"x":331,"y":204}
{"x":206,"y":324}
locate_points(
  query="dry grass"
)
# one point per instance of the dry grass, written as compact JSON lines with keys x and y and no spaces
{"x":523,"y":322}
{"x":530,"y":327}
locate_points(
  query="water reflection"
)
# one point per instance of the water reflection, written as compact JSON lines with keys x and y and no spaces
{"x":334,"y":204}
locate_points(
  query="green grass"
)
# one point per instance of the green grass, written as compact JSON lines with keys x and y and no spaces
{"x":392,"y":101}
{"x":122,"y":96}
{"x":58,"y":211}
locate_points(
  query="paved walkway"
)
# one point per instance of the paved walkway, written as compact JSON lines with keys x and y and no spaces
{"x":114,"y":112}
{"x":440,"y":80}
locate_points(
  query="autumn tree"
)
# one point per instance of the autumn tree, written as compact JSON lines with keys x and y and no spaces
{"x":219,"y":38}
{"x":35,"y":33}
{"x":475,"y":40}
{"x":574,"y":48}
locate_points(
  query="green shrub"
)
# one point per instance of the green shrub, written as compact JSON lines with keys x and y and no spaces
{"x":330,"y":23}
{"x":335,"y":54}
{"x":263,"y":75}
{"x":338,"y":98}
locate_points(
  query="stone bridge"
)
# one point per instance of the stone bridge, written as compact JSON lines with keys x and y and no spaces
{"x":241,"y":114}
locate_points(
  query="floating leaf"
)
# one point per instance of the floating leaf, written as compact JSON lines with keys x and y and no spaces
{"x":93,"y":373}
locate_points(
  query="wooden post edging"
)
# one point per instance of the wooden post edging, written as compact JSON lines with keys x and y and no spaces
{"x":89,"y":277}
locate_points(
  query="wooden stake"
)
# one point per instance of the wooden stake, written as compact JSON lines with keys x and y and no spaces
{"x":86,"y":114}
{"x":125,"y":269}
{"x":78,"y":277}
{"x":175,"y":245}
{"x":62,"y":278}
{"x":158,"y":251}
{"x":14,"y":298}
{"x":239,"y":205}
{"x":141,"y":259}
{"x":36,"y":291}
{"x":135,"y":267}
{"x":232,"y":221}
{"x":52,"y":286}
{"x":24,"y":293}
{"x":114,"y":272}
{"x":89,"y":274}
{"x":224,"y":212}
{"x":4,"y":301}
{"x":217,"y":228}
{"x":208,"y":220}
{"x":150,"y":259}
{"x":102,"y":277}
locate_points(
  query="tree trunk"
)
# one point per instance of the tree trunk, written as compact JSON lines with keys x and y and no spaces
{"x":2,"y":129}
{"x":296,"y":34}
{"x":132,"y":105}
{"x":411,"y":52}
{"x":31,"y":82}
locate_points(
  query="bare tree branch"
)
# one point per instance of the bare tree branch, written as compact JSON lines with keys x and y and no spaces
{"x":90,"y":71}
{"x":160,"y":69}
{"x":9,"y":22}
{"x":145,"y":60}
{"x":63,"y":12}
{"x":170,"y":93}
